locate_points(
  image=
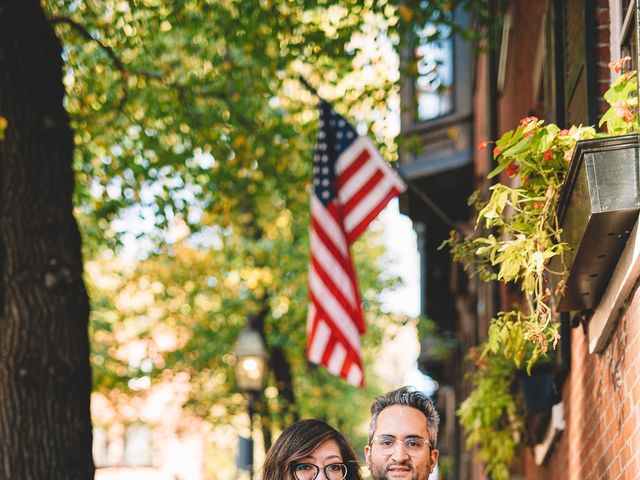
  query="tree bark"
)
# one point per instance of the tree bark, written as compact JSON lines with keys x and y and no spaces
{"x":45,"y":377}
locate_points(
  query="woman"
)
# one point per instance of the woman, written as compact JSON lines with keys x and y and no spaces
{"x":307,"y":449}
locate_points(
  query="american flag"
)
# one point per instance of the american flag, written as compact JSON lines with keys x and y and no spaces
{"x":351,"y":185}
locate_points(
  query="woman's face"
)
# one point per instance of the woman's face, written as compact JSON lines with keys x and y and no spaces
{"x":327,"y":453}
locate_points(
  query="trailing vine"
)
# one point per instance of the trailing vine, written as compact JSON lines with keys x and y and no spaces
{"x":517,"y":234}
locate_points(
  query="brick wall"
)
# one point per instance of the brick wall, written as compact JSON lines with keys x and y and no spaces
{"x":601,"y":395}
{"x":602,"y":409}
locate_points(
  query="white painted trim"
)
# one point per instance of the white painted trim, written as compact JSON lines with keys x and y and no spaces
{"x":539,"y":60}
{"x":615,"y":25}
{"x":626,"y":23}
{"x":556,"y":425}
{"x":625,"y":276}
{"x":504,"y":51}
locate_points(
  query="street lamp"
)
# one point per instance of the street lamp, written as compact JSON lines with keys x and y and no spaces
{"x":251,"y":373}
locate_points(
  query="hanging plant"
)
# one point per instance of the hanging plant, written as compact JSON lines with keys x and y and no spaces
{"x":516,"y":236}
{"x":523,"y":234}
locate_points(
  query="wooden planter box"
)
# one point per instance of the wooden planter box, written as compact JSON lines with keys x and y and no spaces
{"x":598,"y":206}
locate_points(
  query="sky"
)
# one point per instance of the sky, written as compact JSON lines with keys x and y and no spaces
{"x":400,"y":240}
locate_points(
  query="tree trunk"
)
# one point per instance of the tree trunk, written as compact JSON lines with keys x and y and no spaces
{"x":45,"y":377}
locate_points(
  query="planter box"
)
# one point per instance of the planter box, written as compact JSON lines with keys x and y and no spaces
{"x":598,"y":206}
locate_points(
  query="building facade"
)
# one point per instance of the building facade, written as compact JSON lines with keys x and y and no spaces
{"x":548,"y":59}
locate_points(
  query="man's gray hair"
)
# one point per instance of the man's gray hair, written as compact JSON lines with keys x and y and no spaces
{"x":409,"y":397}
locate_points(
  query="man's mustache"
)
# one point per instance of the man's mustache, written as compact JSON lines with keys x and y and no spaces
{"x":404,"y":464}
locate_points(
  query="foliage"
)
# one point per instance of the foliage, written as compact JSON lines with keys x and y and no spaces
{"x":181,"y":313}
{"x":492,"y":416}
{"x":193,"y":140}
{"x":523,"y":233}
{"x":518,"y":236}
{"x":622,"y":116}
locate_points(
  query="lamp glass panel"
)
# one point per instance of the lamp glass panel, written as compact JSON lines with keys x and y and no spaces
{"x":250,"y":373}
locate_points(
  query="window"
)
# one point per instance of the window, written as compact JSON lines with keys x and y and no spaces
{"x":623,"y":38}
{"x":434,"y":72}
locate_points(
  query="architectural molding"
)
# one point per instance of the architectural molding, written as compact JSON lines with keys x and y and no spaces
{"x":613,"y":302}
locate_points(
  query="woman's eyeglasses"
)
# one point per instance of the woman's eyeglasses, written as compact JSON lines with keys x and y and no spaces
{"x":309,"y":471}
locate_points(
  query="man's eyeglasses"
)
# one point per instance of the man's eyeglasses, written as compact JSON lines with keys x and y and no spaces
{"x":412,"y":445}
{"x":309,"y":471}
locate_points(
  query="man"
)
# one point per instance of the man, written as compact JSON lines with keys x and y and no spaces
{"x":402,"y":436}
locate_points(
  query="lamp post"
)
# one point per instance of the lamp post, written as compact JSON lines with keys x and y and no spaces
{"x":251,"y":373}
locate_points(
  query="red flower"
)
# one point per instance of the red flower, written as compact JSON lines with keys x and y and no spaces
{"x":623,"y":112}
{"x":529,"y":133}
{"x":548,"y":155}
{"x":619,"y":64}
{"x":527,"y":120}
{"x":563,"y":133}
{"x":497,"y":151}
{"x":480,"y":362}
{"x":538,"y":204}
{"x":512,"y":169}
{"x":483,"y":144}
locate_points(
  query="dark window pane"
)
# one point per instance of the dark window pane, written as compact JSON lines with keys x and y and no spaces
{"x":628,"y":46}
{"x":625,"y":7}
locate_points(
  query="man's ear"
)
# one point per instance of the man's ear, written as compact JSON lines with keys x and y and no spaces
{"x":434,"y":458}
{"x":367,"y":453}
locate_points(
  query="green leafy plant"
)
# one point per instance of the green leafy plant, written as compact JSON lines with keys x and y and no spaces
{"x":517,"y":234}
{"x":3,"y":126}
{"x":492,"y":416}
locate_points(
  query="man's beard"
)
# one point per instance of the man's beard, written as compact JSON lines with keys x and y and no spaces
{"x":381,"y":472}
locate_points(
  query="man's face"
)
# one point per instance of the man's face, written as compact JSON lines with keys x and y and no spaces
{"x":399,"y":423}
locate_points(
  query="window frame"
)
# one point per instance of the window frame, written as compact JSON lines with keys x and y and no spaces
{"x":621,"y":26}
{"x":414,"y":91}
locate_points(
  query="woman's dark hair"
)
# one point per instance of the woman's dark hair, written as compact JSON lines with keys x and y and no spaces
{"x":297,"y":441}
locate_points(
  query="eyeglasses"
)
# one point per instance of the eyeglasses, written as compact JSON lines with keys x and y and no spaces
{"x":309,"y":471}
{"x":412,"y":445}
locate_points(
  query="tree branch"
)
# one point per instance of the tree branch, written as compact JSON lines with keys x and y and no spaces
{"x":157,"y":76}
{"x":82,"y":30}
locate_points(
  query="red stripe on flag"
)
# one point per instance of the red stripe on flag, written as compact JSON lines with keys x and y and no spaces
{"x":348,"y":307}
{"x":337,"y":337}
{"x":362,"y":226}
{"x":353,"y":168}
{"x":329,"y":245}
{"x":337,"y":330}
{"x":361,"y":194}
{"x":335,"y":319}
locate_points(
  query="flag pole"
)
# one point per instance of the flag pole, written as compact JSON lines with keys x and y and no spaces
{"x":304,"y":82}
{"x":430,"y":204}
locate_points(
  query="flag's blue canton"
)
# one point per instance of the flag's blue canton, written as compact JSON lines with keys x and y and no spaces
{"x":334,"y":137}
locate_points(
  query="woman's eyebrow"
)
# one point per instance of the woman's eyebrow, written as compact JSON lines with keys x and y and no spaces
{"x":333,"y":456}
{"x":306,"y":459}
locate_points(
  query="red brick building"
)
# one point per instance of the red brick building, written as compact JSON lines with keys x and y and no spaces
{"x":548,"y":59}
